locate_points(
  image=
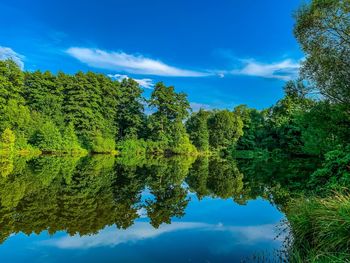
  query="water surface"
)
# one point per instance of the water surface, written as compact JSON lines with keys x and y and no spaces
{"x":103,"y":209}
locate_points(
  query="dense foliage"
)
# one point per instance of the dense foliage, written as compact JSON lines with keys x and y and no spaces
{"x":91,"y":112}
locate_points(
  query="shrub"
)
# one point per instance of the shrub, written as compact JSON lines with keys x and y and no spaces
{"x":334,"y":173}
{"x":102,"y":145}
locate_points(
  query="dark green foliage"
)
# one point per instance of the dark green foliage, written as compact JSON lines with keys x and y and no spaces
{"x":325,"y":127}
{"x":334,"y":173}
{"x":130,"y":116}
{"x":253,"y":128}
{"x":225,"y":128}
{"x":82,"y":105}
{"x":11,"y":83}
{"x":197,"y":128}
{"x":280,"y":126}
{"x":43,"y":95}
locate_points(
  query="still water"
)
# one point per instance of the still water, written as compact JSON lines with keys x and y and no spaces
{"x":106,"y":209}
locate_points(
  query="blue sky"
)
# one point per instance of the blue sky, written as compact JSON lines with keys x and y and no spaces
{"x":221,"y":53}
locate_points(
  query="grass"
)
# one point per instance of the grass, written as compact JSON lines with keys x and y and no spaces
{"x":320,"y":228}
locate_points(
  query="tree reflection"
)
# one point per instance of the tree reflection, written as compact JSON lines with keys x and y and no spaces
{"x":84,"y":195}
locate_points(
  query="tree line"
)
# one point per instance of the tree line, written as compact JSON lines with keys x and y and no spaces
{"x":62,"y":113}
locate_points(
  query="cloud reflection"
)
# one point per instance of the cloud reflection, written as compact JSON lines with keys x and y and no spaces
{"x":111,"y":237}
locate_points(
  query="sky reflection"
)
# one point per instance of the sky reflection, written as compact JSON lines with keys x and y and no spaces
{"x":213,"y":230}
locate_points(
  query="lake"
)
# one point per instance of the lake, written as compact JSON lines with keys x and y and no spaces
{"x":106,"y":209}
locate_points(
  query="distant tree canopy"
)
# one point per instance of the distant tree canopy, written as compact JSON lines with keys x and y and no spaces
{"x":88,"y":111}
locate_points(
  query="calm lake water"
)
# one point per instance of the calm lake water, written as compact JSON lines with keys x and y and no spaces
{"x":106,"y":209}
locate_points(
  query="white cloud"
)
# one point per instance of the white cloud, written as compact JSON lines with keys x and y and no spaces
{"x":283,"y":70}
{"x":221,"y":75}
{"x":136,"y":64}
{"x":144,"y":83}
{"x":195,"y":106}
{"x":112,"y":237}
{"x":9,"y":53}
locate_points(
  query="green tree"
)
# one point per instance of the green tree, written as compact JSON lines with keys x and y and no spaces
{"x":324,"y":127}
{"x":70,"y":142}
{"x":130,"y":116}
{"x":253,"y":128}
{"x":166,"y":123}
{"x":323,"y":30}
{"x":197,"y":128}
{"x":11,"y":82}
{"x":225,"y":128}
{"x":82,"y":104}
{"x":101,"y":144}
{"x":44,"y":95}
{"x":47,"y":138}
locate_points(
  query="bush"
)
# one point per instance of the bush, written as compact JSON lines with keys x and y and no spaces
{"x":132,"y":147}
{"x":334,"y":173}
{"x":102,"y":145}
{"x":70,"y":142}
{"x":47,"y":138}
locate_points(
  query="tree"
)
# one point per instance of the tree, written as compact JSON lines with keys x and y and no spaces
{"x":111,"y":95}
{"x":100,"y":144}
{"x":197,"y":128}
{"x":130,"y":116}
{"x":82,"y":104}
{"x":47,"y":138}
{"x":43,"y":94}
{"x":11,"y":82}
{"x":166,"y":123}
{"x":225,"y":128}
{"x":323,"y":30}
{"x":70,"y":142}
{"x":253,"y":128}
{"x":324,"y":127}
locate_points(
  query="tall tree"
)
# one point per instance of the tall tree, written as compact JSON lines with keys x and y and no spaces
{"x":11,"y":82}
{"x":171,"y":107}
{"x":197,"y":128}
{"x":43,"y":95}
{"x":82,"y":104}
{"x":323,"y":30}
{"x":130,"y":116}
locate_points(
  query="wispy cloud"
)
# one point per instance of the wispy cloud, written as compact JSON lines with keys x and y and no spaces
{"x":120,"y":61}
{"x":284,"y":70}
{"x":111,"y":237}
{"x":144,"y":83}
{"x":130,"y":63}
{"x":9,"y":53}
